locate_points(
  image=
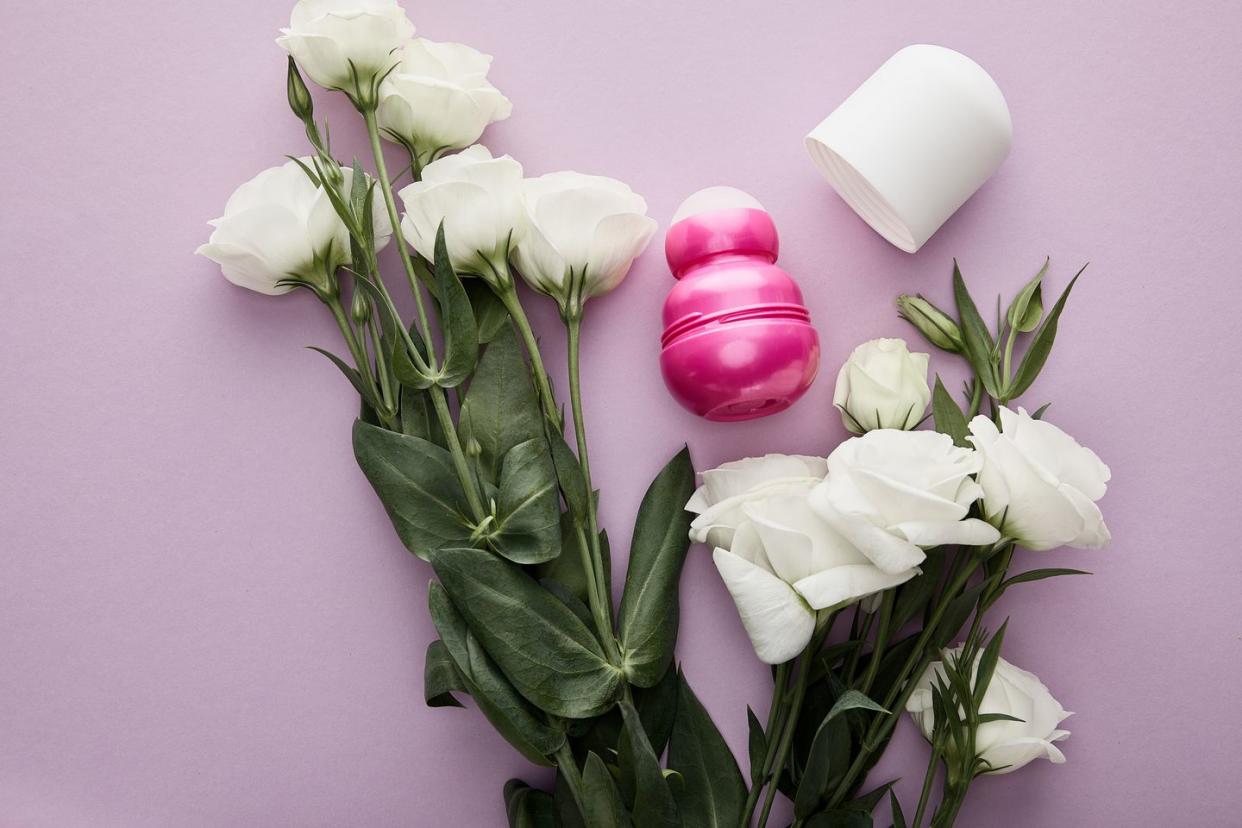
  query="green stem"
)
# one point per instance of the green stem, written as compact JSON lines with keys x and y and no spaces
{"x":947,"y":813}
{"x":776,"y":718}
{"x":928,"y":779}
{"x":574,"y":326}
{"x":469,"y":482}
{"x":507,"y":293}
{"x":381,"y":363}
{"x":568,"y":767}
{"x":394,"y":218}
{"x":803,"y":667}
{"x":883,"y":723}
{"x":881,"y":641}
{"x":595,"y":592}
{"x":359,"y":354}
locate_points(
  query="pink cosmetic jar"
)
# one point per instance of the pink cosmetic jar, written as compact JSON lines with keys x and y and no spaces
{"x":738,"y":341}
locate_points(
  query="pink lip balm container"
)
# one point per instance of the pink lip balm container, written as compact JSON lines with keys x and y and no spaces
{"x":738,"y":341}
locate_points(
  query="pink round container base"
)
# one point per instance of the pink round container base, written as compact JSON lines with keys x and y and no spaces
{"x":744,"y":370}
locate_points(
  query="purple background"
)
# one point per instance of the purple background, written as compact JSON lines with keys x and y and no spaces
{"x":205,"y":618}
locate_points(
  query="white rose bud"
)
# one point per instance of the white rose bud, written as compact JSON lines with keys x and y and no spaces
{"x":347,"y":44}
{"x":1004,"y":745}
{"x":895,"y":493}
{"x":1039,"y":484}
{"x":583,"y":232}
{"x":882,"y":385}
{"x":280,"y":226}
{"x":718,"y":503}
{"x":439,"y":98}
{"x":479,"y":199}
{"x":786,"y":563}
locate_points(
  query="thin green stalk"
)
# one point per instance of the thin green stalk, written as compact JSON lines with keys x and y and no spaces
{"x":595,"y":591}
{"x":803,"y":668}
{"x":394,"y":218}
{"x":574,"y":327}
{"x":946,"y":816}
{"x":776,"y":718}
{"x":381,"y":363}
{"x":928,"y":779}
{"x":881,"y":641}
{"x":883,"y":723}
{"x":356,"y":350}
{"x":465,"y":474}
{"x":507,"y":293}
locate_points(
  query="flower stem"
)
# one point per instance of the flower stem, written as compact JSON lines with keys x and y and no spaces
{"x":776,"y":764}
{"x":881,"y":641}
{"x":928,"y":779}
{"x":574,"y":327}
{"x":507,"y":294}
{"x":381,"y":172}
{"x":883,"y":723}
{"x":359,"y":354}
{"x":776,"y":719}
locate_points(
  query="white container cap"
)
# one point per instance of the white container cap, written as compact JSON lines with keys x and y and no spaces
{"x":916,"y":140}
{"x":711,"y":199}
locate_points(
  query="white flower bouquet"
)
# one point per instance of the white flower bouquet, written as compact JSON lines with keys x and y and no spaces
{"x":908,"y":534}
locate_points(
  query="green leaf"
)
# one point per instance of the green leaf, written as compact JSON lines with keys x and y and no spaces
{"x":566,"y":805}
{"x":714,"y":792}
{"x":657,"y":707}
{"x":987,"y":664}
{"x":569,"y":599}
{"x":512,"y":716}
{"x":602,"y":804}
{"x":1039,"y":412}
{"x":853,"y":700}
{"x":756,"y":744}
{"x":441,"y":678}
{"x":1039,"y":575}
{"x":976,"y":340}
{"x":490,"y":314}
{"x":528,"y":512}
{"x":1027,"y":307}
{"x":653,"y":801}
{"x":541,"y":646}
{"x":404,"y":369}
{"x":500,"y":409}
{"x":914,"y":594}
{"x":845,"y":818}
{"x":461,"y":336}
{"x":949,"y":418}
{"x":899,"y":818}
{"x":826,"y":763}
{"x":418,"y":418}
{"x":956,"y":613}
{"x":985,"y":718}
{"x":528,"y":807}
{"x":869,"y":800}
{"x":649,"y":612}
{"x":569,"y":474}
{"x":417,"y":484}
{"x":1041,"y":346}
{"x":351,"y":374}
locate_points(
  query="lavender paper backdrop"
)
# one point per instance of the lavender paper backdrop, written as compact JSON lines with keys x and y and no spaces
{"x":204,"y":616}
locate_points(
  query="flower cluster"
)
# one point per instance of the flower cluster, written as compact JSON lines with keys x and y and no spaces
{"x":914,"y":531}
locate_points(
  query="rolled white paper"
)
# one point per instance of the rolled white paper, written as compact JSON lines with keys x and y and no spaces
{"x":916,"y":140}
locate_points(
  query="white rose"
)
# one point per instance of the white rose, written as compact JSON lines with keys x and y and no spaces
{"x":479,"y":199}
{"x":583,"y":232}
{"x":882,"y":385}
{"x":718,"y":503}
{"x":894,"y":493}
{"x":1039,"y":484}
{"x":278,"y":226}
{"x":439,"y":98}
{"x":346,"y":44}
{"x":1004,"y":745}
{"x":786,"y":563}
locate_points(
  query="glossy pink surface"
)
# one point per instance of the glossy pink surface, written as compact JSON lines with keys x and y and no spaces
{"x":738,"y":342}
